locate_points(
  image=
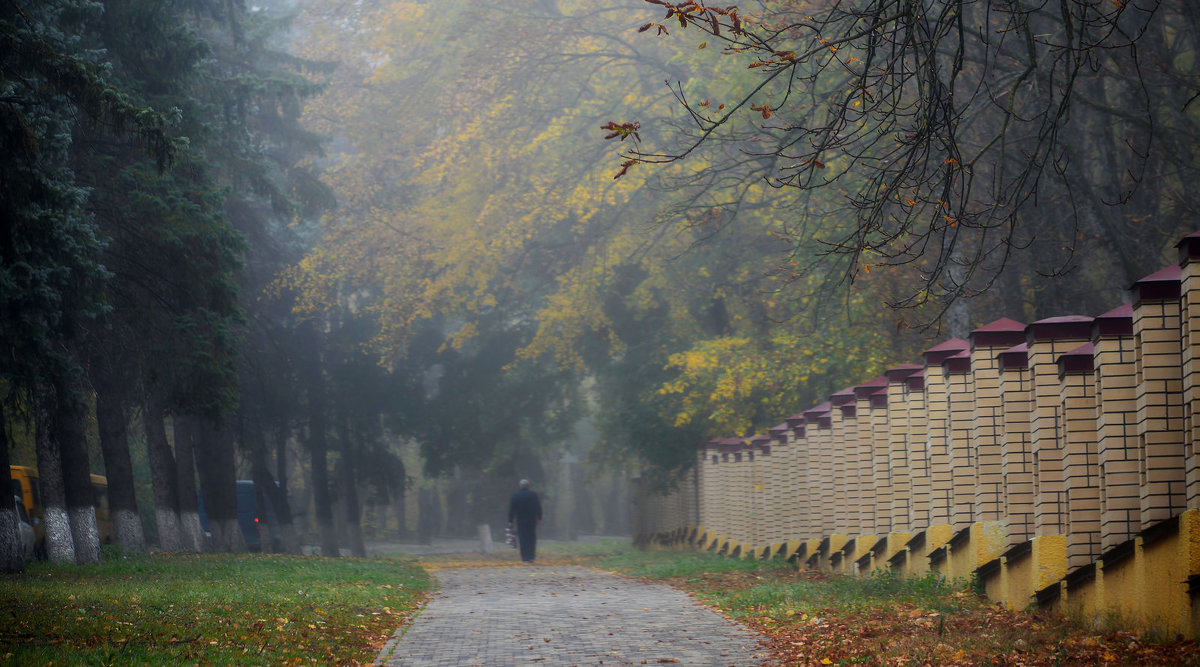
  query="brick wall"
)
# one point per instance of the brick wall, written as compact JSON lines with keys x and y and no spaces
{"x":1072,"y":434}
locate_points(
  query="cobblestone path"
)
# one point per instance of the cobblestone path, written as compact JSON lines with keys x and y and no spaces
{"x":546,"y":615}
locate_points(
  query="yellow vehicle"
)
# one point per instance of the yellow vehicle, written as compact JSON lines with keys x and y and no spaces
{"x":103,"y":520}
{"x":25,"y":484}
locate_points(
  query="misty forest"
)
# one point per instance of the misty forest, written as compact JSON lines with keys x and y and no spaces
{"x":384,"y":258}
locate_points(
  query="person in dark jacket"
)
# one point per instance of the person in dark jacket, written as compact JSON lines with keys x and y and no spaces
{"x":525,"y":511}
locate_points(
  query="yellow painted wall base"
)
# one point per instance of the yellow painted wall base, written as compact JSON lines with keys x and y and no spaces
{"x":714,"y":542}
{"x":921,"y":545}
{"x":1049,"y":561}
{"x":805,"y":552}
{"x":1144,"y":583}
{"x":861,"y":547}
{"x":690,"y":534}
{"x":1017,"y":576}
{"x":997,"y":584}
{"x":776,"y":550}
{"x":888,"y":546}
{"x":975,"y":546}
{"x":830,"y":546}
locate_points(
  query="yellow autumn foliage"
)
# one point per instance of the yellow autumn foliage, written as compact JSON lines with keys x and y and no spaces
{"x":471,"y":176}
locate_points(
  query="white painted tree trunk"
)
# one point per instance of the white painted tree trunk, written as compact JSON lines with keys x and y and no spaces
{"x":169,"y":535}
{"x":485,"y":539}
{"x":60,"y":547}
{"x":12,"y":553}
{"x":227,"y":536}
{"x":192,"y":533}
{"x":289,"y":537}
{"x":163,"y":477}
{"x":85,"y":534}
{"x":127,"y":531}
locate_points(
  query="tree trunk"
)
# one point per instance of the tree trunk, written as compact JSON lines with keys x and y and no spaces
{"x":269,"y":494}
{"x":12,"y":554}
{"x":56,"y":524}
{"x":957,"y":316}
{"x":215,"y":463}
{"x":281,"y":441}
{"x":280,"y":518}
{"x":358,"y":548}
{"x":399,"y":505}
{"x":77,"y":475}
{"x":620,"y":519}
{"x":318,"y":443}
{"x":426,"y":520}
{"x":322,"y":502}
{"x":112,"y":423}
{"x":163,"y":476}
{"x":292,"y":534}
{"x":191,"y":532}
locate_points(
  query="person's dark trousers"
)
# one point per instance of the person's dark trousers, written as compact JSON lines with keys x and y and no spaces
{"x":527,"y":538}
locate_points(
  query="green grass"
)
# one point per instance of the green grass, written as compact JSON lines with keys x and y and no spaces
{"x":601,"y":548}
{"x":774,"y":588}
{"x":212,"y":609}
{"x":666,"y":564}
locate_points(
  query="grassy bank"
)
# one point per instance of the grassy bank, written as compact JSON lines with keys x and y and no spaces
{"x":214,"y":609}
{"x":820,"y":619}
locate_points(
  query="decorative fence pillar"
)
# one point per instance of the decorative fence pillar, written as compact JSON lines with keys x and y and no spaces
{"x":753,"y":515}
{"x":1159,"y":361}
{"x":1081,"y":468}
{"x":873,"y":431}
{"x":1118,"y":449}
{"x":960,"y":408}
{"x":705,"y":454}
{"x":938,"y":420}
{"x":921,"y":514}
{"x":1189,"y":265}
{"x":711,"y":495}
{"x":821,"y":458}
{"x":1047,"y":340}
{"x":1016,"y":448}
{"x":803,"y":520}
{"x":987,"y":428}
{"x":740,"y":495}
{"x":859,"y":428}
{"x":898,"y":445}
{"x":767,"y":529}
{"x":845,"y":461}
{"x":727,"y":485}
{"x":823,"y":424}
{"x":782,"y":492}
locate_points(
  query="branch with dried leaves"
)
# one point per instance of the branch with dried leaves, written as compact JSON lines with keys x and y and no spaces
{"x":944,"y":125}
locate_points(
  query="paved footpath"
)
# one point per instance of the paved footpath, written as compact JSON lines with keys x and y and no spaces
{"x":564,"y":616}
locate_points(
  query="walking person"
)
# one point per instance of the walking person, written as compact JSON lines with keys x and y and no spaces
{"x":525,"y":510}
